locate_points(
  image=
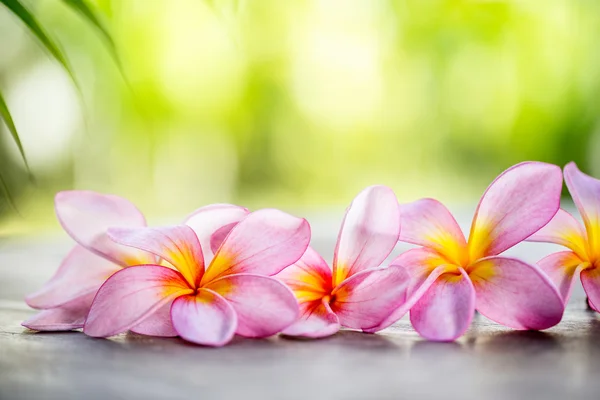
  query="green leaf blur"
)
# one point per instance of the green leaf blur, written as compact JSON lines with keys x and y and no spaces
{"x":299,"y":104}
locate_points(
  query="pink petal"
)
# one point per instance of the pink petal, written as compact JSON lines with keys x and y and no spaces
{"x":516,"y":294}
{"x":205,"y":318}
{"x":423,"y":266}
{"x":446,"y":309}
{"x":263,"y":243}
{"x":264,"y":306}
{"x":427,"y":222}
{"x":316,"y":321}
{"x":81,"y":273}
{"x":309,"y":278}
{"x":517,"y":204}
{"x":176,"y":244}
{"x":365,"y":299}
{"x":87,"y":215}
{"x":419,"y":263}
{"x":561,"y":268}
{"x":585,"y":191}
{"x":368,"y":234}
{"x":213,"y":223}
{"x":590,"y":278}
{"x":130,"y":296}
{"x":418,"y":286}
{"x":157,"y":324}
{"x":218,"y":237}
{"x":565,"y":230}
{"x":65,"y":318}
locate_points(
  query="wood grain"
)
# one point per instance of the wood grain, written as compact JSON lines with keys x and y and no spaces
{"x":489,"y":362}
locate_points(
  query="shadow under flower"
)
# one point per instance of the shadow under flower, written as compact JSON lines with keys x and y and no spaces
{"x":523,"y":342}
{"x":348,"y":338}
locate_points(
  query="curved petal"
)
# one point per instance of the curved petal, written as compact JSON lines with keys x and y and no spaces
{"x":365,"y":299}
{"x":213,"y":223}
{"x":516,"y":294}
{"x":565,"y":230}
{"x":309,"y":278}
{"x":419,"y":263}
{"x":585,"y":191}
{"x":205,"y":318}
{"x":427,"y":222}
{"x":130,"y":296}
{"x":218,"y":237}
{"x":264,"y":306}
{"x":176,"y":244}
{"x":157,"y":324}
{"x":561,"y":268}
{"x":368,"y":234}
{"x":87,"y":215}
{"x":416,"y":289}
{"x":316,"y":321}
{"x":517,"y":204}
{"x":263,"y":243}
{"x":590,"y":279}
{"x":81,"y":273}
{"x":65,"y":318}
{"x":446,"y":309}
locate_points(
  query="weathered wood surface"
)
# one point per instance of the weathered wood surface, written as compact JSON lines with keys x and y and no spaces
{"x":489,"y":362}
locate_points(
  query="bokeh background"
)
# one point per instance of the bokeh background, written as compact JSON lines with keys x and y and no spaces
{"x":294,"y":104}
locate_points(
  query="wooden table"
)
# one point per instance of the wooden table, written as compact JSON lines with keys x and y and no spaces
{"x":489,"y":362}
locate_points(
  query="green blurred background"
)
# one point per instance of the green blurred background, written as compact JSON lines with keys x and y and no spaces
{"x":295,"y":104}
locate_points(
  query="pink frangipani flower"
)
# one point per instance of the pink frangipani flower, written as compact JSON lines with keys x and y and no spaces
{"x":66,"y":298}
{"x":584,"y":244}
{"x":235,"y":294}
{"x":451,"y":278}
{"x":356,"y":294}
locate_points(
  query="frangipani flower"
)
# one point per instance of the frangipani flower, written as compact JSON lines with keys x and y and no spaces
{"x":235,"y":294}
{"x":356,"y":294}
{"x":451,"y":277}
{"x":66,"y":298}
{"x":564,"y":229}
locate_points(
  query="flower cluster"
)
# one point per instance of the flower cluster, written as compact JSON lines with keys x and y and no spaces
{"x":226,"y":271}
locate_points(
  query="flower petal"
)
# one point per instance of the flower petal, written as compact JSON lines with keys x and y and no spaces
{"x":264,"y":306}
{"x":130,"y":296}
{"x":86,"y":216}
{"x":176,"y":244}
{"x":368,"y":234}
{"x":427,"y":222}
{"x":205,"y":318}
{"x":309,"y":278}
{"x":516,"y":294}
{"x":561,"y":268}
{"x":263,"y":243}
{"x":67,"y":317}
{"x":81,"y":273}
{"x":365,"y":299}
{"x":517,"y":204}
{"x":565,"y":230}
{"x":316,"y":321}
{"x":590,"y":278}
{"x":419,"y":263}
{"x":423,"y":266}
{"x":585,"y":191}
{"x":416,"y":289}
{"x":446,"y":309}
{"x":213,"y":223}
{"x":157,"y":324}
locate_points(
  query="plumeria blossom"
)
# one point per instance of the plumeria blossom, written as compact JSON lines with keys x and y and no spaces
{"x":584,"y":243}
{"x":66,"y":298}
{"x":234,"y":294}
{"x":356,"y":293}
{"x":451,"y":277}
